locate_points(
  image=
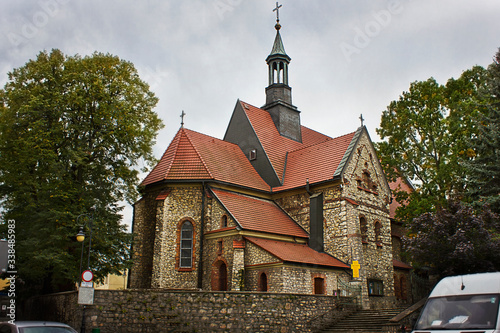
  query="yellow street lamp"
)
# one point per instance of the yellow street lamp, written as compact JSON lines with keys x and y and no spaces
{"x":80,"y":236}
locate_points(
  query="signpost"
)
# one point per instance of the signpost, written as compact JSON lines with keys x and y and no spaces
{"x":86,"y":290}
{"x":87,"y":276}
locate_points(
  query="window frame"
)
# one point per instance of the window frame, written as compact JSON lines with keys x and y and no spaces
{"x":375,"y":287}
{"x":182,"y":248}
{"x":377,"y":226}
{"x":363,"y":229}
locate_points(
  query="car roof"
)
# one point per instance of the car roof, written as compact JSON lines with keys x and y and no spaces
{"x":40,"y":323}
{"x":482,"y":283}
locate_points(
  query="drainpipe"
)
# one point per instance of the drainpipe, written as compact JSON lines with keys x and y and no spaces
{"x":316,"y":236}
{"x":202,"y":231}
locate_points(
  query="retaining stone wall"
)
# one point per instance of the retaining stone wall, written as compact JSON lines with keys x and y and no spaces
{"x":120,"y":311}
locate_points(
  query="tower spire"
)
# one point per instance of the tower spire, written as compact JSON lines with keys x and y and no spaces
{"x":279,"y":94}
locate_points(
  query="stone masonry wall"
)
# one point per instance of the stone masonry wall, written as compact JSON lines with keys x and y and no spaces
{"x":144,"y":235}
{"x":363,"y":193}
{"x":301,"y":280}
{"x":183,"y":203}
{"x":124,"y":311}
{"x":364,"y":184}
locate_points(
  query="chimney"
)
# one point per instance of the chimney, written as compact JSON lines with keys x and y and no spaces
{"x":316,"y":241}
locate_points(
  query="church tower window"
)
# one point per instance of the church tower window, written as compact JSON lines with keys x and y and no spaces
{"x":363,"y":226}
{"x":186,"y":245}
{"x":378,"y":230}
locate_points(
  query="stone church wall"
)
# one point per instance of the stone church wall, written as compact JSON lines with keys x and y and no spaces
{"x":364,"y":193}
{"x":144,"y":235}
{"x":183,"y":203}
{"x":365,"y":185}
{"x":217,"y":251}
{"x":215,"y":211}
{"x":297,"y":206}
{"x":301,"y":280}
{"x":274,"y":278}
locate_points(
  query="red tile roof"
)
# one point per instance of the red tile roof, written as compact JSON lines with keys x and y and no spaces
{"x":296,"y":253}
{"x":258,"y":214}
{"x":316,"y":158}
{"x":195,"y":156}
{"x":317,"y":162}
{"x":400,"y":264}
{"x":275,"y":145}
{"x":398,"y":185}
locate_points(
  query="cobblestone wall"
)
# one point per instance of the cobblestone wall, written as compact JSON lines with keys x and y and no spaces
{"x":183,"y":203}
{"x":143,"y":246}
{"x":365,"y":184}
{"x":123,"y":311}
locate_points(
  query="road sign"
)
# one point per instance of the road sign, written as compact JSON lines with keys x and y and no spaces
{"x":85,"y":296}
{"x":87,"y":276}
{"x":87,"y":284}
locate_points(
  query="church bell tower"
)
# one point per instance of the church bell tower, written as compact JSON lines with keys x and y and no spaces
{"x":286,"y":116}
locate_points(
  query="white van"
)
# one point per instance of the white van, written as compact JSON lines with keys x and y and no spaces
{"x":460,"y":304}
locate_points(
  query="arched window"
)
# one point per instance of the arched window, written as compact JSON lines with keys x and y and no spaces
{"x":363,"y":226}
{"x":378,"y":230}
{"x":186,"y":245}
{"x":223,"y":221}
{"x":263,"y":282}
{"x":366,"y":178}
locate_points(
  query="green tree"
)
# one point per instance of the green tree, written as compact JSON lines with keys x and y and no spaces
{"x":72,"y":131}
{"x":454,"y":240}
{"x":484,"y":168}
{"x":426,"y":134}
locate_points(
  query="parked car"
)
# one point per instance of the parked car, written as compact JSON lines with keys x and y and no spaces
{"x":35,"y":327}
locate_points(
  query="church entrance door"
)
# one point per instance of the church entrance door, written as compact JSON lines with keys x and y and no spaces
{"x":219,"y":276}
{"x":223,"y":277}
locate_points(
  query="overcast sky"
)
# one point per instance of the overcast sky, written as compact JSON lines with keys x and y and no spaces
{"x":349,"y":57}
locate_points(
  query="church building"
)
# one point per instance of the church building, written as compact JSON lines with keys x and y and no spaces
{"x":272,"y":207}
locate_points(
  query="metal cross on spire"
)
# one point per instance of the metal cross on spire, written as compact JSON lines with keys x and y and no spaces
{"x":277,"y":10}
{"x":362,"y":119}
{"x":182,"y":118}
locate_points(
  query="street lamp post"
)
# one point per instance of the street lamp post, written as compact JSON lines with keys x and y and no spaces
{"x":80,"y":237}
